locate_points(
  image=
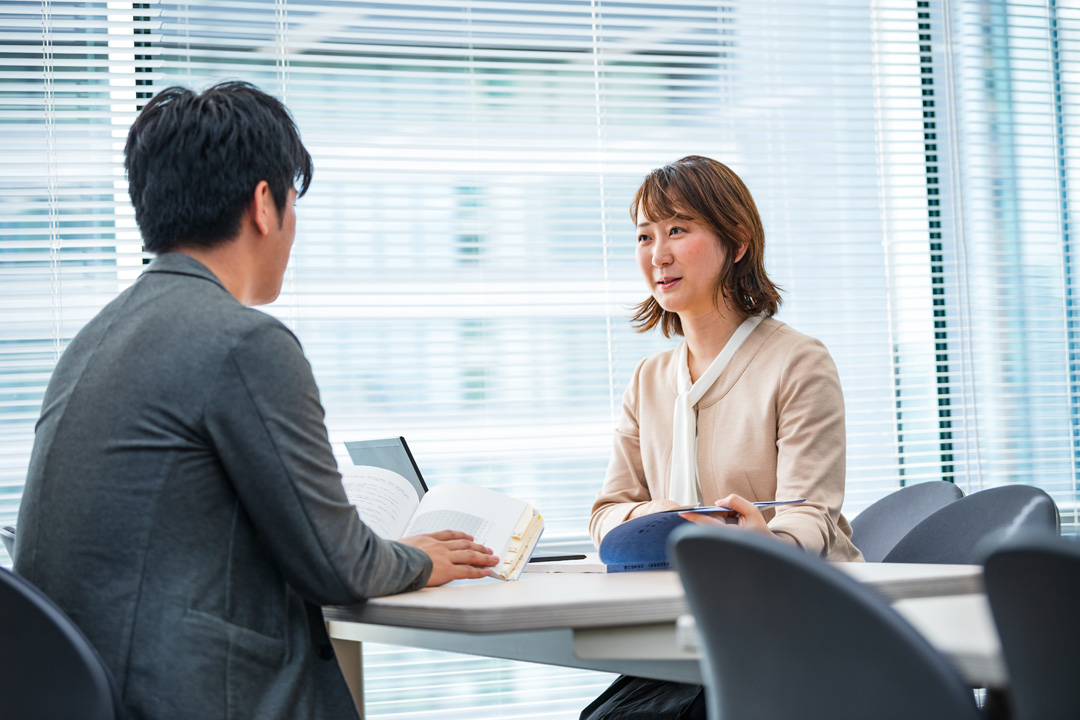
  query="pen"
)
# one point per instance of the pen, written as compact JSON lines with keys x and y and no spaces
{"x":556,"y":558}
{"x":713,"y":508}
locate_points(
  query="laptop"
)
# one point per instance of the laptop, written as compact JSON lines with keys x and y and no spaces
{"x":389,"y":454}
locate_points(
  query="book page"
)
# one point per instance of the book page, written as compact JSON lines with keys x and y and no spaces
{"x":489,"y":516}
{"x":384,"y":499}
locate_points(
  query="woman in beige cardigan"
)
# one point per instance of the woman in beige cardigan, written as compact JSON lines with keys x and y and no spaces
{"x":745,"y":409}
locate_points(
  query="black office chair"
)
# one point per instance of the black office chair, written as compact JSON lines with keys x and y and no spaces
{"x":953,"y":533}
{"x":48,"y":669}
{"x":878,"y":528}
{"x":1034,"y":588}
{"x":787,"y":636}
{"x":7,"y":535}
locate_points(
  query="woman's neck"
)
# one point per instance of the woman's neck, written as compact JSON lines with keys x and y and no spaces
{"x":706,"y":336}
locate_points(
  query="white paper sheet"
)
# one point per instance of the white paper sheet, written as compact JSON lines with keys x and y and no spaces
{"x":484,"y":514}
{"x":384,"y":499}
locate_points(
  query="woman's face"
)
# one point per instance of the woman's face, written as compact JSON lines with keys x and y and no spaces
{"x":681,"y":262}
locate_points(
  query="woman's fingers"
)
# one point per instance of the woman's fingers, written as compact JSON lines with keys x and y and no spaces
{"x":749,"y":514}
{"x":702,"y":518}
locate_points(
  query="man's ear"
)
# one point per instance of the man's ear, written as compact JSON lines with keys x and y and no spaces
{"x":263,"y":209}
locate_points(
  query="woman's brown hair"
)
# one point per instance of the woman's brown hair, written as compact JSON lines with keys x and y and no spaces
{"x":710,"y":194}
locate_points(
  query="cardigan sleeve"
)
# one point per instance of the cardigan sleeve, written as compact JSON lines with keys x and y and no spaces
{"x":624,"y":487}
{"x":811,"y":448}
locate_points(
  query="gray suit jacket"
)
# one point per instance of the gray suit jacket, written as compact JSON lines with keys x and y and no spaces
{"x":183,"y":503}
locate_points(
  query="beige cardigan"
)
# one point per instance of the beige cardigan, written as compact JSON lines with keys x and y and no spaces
{"x":771,"y":427}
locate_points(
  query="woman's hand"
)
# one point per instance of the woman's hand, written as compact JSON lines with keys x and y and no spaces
{"x":746,"y":515}
{"x":654,"y":506}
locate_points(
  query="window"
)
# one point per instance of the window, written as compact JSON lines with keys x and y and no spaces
{"x":464,"y":261}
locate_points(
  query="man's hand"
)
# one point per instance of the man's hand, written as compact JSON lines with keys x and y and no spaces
{"x":746,"y":515}
{"x":654,"y":506}
{"x":453,"y":555}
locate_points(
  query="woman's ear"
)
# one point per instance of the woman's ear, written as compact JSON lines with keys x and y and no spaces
{"x":744,"y":243}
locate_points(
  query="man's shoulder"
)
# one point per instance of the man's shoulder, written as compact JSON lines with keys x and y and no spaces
{"x":232,"y":329}
{"x":178,"y":325}
{"x":200,"y":304}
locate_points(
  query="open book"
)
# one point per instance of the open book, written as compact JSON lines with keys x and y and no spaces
{"x":640,"y":543}
{"x":391,"y":506}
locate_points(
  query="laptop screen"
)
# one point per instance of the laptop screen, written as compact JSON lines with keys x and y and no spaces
{"x":390,"y":454}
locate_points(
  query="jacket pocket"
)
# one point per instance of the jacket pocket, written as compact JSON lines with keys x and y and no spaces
{"x":253,"y":663}
{"x":261,"y":645}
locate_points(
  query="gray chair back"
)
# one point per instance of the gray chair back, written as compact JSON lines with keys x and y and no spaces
{"x":878,"y":528}
{"x":7,"y":535}
{"x":787,"y":636}
{"x":1033,"y":584}
{"x":953,"y":533}
{"x":48,"y":669}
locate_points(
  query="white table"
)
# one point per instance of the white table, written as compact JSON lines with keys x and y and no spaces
{"x":627,"y":622}
{"x":961,"y":627}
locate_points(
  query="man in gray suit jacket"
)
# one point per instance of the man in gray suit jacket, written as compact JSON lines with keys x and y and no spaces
{"x":183,"y":504}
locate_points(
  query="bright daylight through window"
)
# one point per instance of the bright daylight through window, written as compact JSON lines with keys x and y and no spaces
{"x":463,"y":267}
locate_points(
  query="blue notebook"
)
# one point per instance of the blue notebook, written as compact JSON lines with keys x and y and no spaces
{"x":641,"y":543}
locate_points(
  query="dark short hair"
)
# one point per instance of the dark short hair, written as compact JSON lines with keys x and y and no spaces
{"x":710,"y":194}
{"x":194,"y":160}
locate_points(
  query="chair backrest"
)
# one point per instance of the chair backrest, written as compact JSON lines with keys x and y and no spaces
{"x":48,"y":669}
{"x":7,"y":535}
{"x":787,"y":636}
{"x":953,"y":533}
{"x":1034,"y":588}
{"x":877,"y":529}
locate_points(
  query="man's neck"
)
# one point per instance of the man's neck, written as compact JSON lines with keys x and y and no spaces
{"x":227,"y":264}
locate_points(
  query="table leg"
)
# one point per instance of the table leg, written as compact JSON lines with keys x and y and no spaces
{"x":350,"y":657}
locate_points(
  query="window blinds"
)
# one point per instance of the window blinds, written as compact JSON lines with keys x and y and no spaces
{"x":464,"y":260}
{"x":68,"y":241}
{"x":1011,"y":188}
